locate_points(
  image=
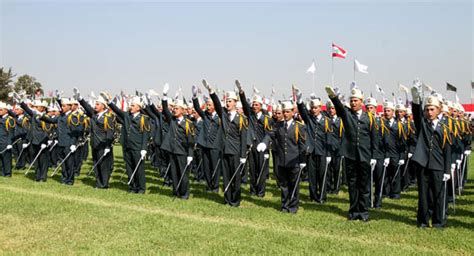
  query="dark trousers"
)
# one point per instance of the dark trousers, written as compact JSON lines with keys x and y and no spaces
{"x":431,"y":197}
{"x":212,"y":164}
{"x":6,"y":162}
{"x":41,"y":163}
{"x":67,"y":166}
{"x":316,"y":169}
{"x":334,"y":172}
{"x":77,"y":156}
{"x":377,"y":181}
{"x":138,"y":184}
{"x":288,"y":185}
{"x":54,"y":155}
{"x":177,"y":168}
{"x":256,"y":162}
{"x":231,"y":163}
{"x":20,"y":160}
{"x":103,"y":169}
{"x":197,"y":165}
{"x":392,"y":185}
{"x":358,"y":182}
{"x":275,"y":166}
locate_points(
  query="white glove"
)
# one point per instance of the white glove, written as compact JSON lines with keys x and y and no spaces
{"x":206,"y":85}
{"x":446,"y":177}
{"x":386,"y":161}
{"x":73,"y":148}
{"x":330,"y":91}
{"x":415,"y":95}
{"x":410,"y":155}
{"x":467,"y":152}
{"x":328,"y":159}
{"x":302,"y":165}
{"x":266,"y":156}
{"x":106,"y":96}
{"x":143,"y":154}
{"x":189,"y":159}
{"x":373,"y":162}
{"x":401,"y":162}
{"x":106,"y":151}
{"x":195,"y":91}
{"x":261,"y":147}
{"x":16,"y":97}
{"x":9,"y":147}
{"x":50,"y":142}
{"x":25,"y":145}
{"x":238,"y":85}
{"x":243,"y":160}
{"x":76,"y":94}
{"x":298,"y":94}
{"x":166,"y":89}
{"x":458,"y":163}
{"x":58,"y":94}
{"x":55,"y":142}
{"x":43,"y":146}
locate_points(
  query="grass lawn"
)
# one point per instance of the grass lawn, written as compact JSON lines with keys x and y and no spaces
{"x":50,"y":218}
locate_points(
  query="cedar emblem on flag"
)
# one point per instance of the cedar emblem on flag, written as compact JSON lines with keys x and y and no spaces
{"x":338,"y":52}
{"x":450,"y":87}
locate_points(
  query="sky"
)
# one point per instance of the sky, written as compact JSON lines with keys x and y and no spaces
{"x":128,"y":45}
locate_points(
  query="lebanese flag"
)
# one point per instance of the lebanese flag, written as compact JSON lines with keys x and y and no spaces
{"x":338,"y":52}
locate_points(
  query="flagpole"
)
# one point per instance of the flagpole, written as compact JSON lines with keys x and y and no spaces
{"x":354,"y":71}
{"x":332,"y":71}
{"x":314,"y":83}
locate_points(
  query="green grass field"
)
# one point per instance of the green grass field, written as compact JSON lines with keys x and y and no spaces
{"x":50,"y":218}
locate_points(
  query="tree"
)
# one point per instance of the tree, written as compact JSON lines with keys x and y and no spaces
{"x":28,"y":84}
{"x":5,"y":83}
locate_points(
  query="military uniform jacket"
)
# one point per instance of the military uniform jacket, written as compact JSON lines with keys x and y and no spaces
{"x":317,"y":142}
{"x":7,"y":126}
{"x":210,"y":135}
{"x":157,"y":124}
{"x":180,"y":137}
{"x":288,"y":143}
{"x":433,"y":148}
{"x":102,"y":128}
{"x":135,"y":130}
{"x":394,"y":139}
{"x":259,"y":127}
{"x":335,"y":137}
{"x":39,"y":131}
{"x":359,"y":133}
{"x":67,"y":125}
{"x":235,"y":131}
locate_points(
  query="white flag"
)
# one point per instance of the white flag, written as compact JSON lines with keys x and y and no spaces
{"x":360,"y":67}
{"x":402,"y":88}
{"x":311,"y":69}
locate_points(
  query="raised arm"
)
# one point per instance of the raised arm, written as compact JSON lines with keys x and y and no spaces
{"x":116,"y":110}
{"x":27,"y":109}
{"x":87,"y":108}
{"x":217,"y":104}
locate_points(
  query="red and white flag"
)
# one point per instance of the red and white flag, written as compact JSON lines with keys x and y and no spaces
{"x":338,"y":52}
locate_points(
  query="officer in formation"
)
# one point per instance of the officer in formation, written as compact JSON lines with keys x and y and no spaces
{"x":378,"y":155}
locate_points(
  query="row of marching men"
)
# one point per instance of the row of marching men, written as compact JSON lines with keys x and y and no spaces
{"x":224,"y":140}
{"x":41,"y":136}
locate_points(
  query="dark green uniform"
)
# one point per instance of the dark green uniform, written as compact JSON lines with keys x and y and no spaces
{"x":7,"y":126}
{"x":102,"y":127}
{"x":179,"y":143}
{"x":134,"y":137}
{"x":289,"y":143}
{"x":358,"y":148}
{"x":317,"y":146}
{"x":433,"y":155}
{"x":234,"y":147}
